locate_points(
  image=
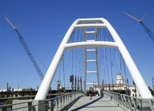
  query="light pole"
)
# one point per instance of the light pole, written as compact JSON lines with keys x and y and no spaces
{"x":18,"y":88}
{"x":68,"y":86}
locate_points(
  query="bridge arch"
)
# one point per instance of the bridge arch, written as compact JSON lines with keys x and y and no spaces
{"x":101,"y":23}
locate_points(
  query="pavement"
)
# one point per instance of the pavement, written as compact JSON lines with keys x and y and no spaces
{"x":96,"y":104}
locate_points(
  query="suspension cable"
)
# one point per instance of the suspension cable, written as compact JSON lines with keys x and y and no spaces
{"x":103,"y":65}
{"x":106,"y":59}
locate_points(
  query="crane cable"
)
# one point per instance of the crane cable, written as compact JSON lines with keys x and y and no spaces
{"x":104,"y":67}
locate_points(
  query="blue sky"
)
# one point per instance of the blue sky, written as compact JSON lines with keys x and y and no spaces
{"x":45,"y":22}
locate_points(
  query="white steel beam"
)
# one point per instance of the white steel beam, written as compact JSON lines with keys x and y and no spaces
{"x":81,"y":26}
{"x":90,"y":40}
{"x":92,"y":84}
{"x":90,"y":32}
{"x":91,"y":60}
{"x":91,"y":20}
{"x":91,"y":44}
{"x":91,"y":50}
{"x":91,"y":72}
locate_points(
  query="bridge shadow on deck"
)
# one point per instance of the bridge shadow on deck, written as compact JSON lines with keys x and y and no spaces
{"x":85,"y":105}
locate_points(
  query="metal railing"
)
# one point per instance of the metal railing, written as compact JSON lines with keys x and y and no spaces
{"x":53,"y":104}
{"x":129,"y":102}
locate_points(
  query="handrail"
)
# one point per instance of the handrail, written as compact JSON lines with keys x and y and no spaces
{"x":25,"y":96}
{"x":59,"y":102}
{"x":130,"y":102}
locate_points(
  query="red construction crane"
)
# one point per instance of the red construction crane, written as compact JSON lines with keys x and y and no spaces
{"x":144,"y":26}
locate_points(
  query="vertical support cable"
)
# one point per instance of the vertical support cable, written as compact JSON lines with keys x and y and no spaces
{"x":85,"y":39}
{"x":97,"y":59}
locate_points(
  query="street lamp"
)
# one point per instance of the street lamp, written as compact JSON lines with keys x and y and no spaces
{"x":68,"y":87}
{"x":18,"y":88}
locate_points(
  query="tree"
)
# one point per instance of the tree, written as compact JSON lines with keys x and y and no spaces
{"x":152,"y":92}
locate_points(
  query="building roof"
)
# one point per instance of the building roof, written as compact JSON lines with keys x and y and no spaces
{"x":119,"y":74}
{"x":115,"y":85}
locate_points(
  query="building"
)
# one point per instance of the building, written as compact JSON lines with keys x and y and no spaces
{"x":120,"y":87}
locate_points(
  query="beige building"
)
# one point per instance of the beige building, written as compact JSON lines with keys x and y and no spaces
{"x":120,"y":87}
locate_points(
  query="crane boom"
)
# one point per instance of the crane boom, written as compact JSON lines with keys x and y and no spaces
{"x":27,"y":51}
{"x":148,"y":31}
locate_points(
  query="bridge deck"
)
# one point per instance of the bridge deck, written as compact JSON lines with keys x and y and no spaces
{"x":96,"y":104}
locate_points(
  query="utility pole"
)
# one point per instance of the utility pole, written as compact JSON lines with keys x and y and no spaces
{"x":78,"y":83}
{"x":72,"y":80}
{"x":7,"y":87}
{"x":81,"y":83}
{"x":72,"y":83}
{"x":103,"y":84}
{"x":58,"y":86}
{"x":75,"y":82}
{"x":153,"y":83}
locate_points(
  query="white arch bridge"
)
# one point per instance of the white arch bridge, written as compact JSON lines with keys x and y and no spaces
{"x":85,"y":24}
{"x":67,"y":101}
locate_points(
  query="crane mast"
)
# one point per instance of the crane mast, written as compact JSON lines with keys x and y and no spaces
{"x":148,"y":31}
{"x":27,"y":50}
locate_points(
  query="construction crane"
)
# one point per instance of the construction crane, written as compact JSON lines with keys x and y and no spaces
{"x":27,"y":50}
{"x":144,"y":26}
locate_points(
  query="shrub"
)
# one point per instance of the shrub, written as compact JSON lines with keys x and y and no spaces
{"x":9,"y":102}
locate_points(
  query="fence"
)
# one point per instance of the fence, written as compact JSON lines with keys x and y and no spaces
{"x":54,"y":104}
{"x":129,"y":102}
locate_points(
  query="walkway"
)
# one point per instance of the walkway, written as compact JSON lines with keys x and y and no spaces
{"x":96,"y":104}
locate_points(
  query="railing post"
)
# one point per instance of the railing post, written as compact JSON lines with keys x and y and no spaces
{"x":141,"y":104}
{"x":130,"y":103}
{"x":59,"y":103}
{"x":152,"y":102}
{"x":63,"y":101}
{"x":122,"y":98}
{"x":30,"y":107}
{"x":4,"y":108}
{"x":56,"y":105}
{"x":66,"y":100}
{"x":135,"y":104}
{"x":68,"y":97}
{"x":126,"y":102}
{"x":52,"y":105}
{"x":71,"y":97}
